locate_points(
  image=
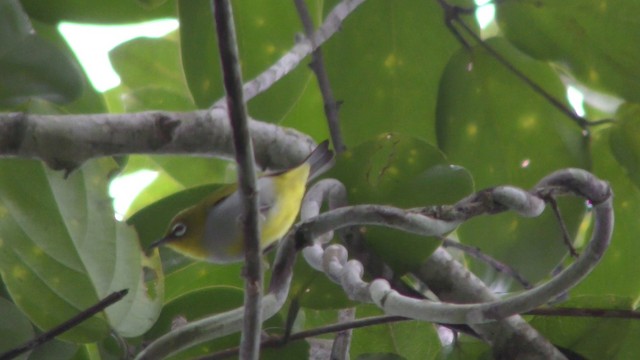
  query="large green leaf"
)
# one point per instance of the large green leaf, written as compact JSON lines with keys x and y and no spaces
{"x":384,"y":66}
{"x":31,"y":66}
{"x":98,"y":11}
{"x":15,"y":328}
{"x":216,"y":299}
{"x":62,"y":250}
{"x":144,"y":62}
{"x":151,"y":74}
{"x":90,"y":102}
{"x":504,"y":133}
{"x":265,"y":31}
{"x":623,"y":253}
{"x":595,"y":40}
{"x":625,"y":140}
{"x":593,"y":338}
{"x":408,"y":339}
{"x":406,"y":172}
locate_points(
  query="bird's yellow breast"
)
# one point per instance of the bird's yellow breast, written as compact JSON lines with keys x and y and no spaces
{"x":289,"y":188}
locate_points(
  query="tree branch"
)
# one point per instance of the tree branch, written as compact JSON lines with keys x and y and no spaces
{"x":64,"y":142}
{"x":349,"y":273}
{"x":317,"y":65}
{"x":247,"y":184}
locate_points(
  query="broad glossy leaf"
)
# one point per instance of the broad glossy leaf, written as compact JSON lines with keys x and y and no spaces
{"x":407,"y":339}
{"x":199,"y":275}
{"x":625,"y":140}
{"x":90,"y":101}
{"x":595,"y":40}
{"x":14,"y":25}
{"x":15,"y":328}
{"x":146,"y":62}
{"x":151,"y":98}
{"x":213,"y":300}
{"x":504,"y":133}
{"x":384,"y":66}
{"x":622,"y":255}
{"x":265,"y":31}
{"x":593,"y":338}
{"x":31,"y":66}
{"x":62,"y":250}
{"x":405,"y":172}
{"x":61,"y":349}
{"x":314,"y":290}
{"x":200,"y":52}
{"x":102,"y":11}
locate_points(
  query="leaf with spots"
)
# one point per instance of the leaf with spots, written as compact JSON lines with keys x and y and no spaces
{"x":61,"y":250}
{"x":384,"y":66}
{"x":397,"y":340}
{"x":504,"y":133}
{"x":15,"y":329}
{"x":596,"y":40}
{"x":265,"y":30}
{"x":406,"y":172}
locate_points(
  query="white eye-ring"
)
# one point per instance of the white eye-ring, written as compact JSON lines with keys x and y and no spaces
{"x":179,"y":230}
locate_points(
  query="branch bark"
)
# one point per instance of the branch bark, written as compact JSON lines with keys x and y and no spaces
{"x":247,"y":183}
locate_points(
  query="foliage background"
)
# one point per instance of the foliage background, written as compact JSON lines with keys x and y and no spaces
{"x":426,"y":121}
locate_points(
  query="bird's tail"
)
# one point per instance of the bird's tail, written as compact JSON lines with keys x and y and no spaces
{"x":320,"y":160}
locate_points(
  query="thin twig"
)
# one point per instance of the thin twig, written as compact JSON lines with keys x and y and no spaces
{"x":563,"y":227}
{"x":317,"y":65}
{"x":228,"y":47}
{"x":276,"y":341}
{"x":587,"y":312}
{"x":494,"y":263}
{"x":65,"y":326}
{"x":304,"y":47}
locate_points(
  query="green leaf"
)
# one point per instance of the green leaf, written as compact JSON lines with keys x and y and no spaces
{"x":265,"y":31}
{"x":14,"y":25}
{"x":61,"y":349}
{"x":622,"y":255}
{"x":31,"y":66}
{"x":213,"y":300}
{"x":384,"y":66}
{"x":90,"y":102}
{"x":406,"y":339}
{"x":199,"y":275}
{"x":200,"y":51}
{"x":144,"y":62}
{"x":15,"y":328}
{"x":62,"y":251}
{"x":593,"y":338}
{"x":314,"y":290}
{"x":105,"y":12}
{"x":595,"y":40}
{"x":504,"y":133}
{"x":150,"y":98}
{"x":402,"y":171}
{"x":625,"y":140}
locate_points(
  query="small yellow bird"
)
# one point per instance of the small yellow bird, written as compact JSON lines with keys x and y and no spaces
{"x":211,"y":230}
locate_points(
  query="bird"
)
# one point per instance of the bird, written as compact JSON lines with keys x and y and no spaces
{"x":211,"y":229}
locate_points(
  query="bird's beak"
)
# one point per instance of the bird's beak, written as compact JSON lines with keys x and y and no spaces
{"x":158,"y":243}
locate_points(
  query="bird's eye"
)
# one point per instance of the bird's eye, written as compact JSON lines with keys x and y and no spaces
{"x":179,"y":230}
